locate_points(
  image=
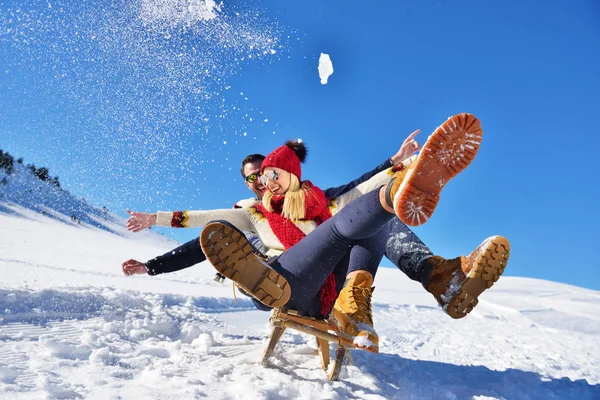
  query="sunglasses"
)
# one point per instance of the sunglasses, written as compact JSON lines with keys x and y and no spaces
{"x":252,"y":178}
{"x":272,"y":175}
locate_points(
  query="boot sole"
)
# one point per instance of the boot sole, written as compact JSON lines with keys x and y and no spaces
{"x":489,"y":265}
{"x":447,"y":152}
{"x":229,"y":252}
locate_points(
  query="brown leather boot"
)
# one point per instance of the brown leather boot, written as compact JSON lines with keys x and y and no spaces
{"x":400,"y":172}
{"x":352,"y":312}
{"x":447,"y":152}
{"x":457,"y":283}
{"x":231,"y":254}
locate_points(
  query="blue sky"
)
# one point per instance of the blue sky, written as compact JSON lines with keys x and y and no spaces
{"x":158,"y":115}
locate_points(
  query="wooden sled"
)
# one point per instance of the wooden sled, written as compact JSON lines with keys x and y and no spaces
{"x":323,"y":330}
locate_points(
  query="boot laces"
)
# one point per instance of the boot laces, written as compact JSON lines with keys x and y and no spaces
{"x":362,"y":298}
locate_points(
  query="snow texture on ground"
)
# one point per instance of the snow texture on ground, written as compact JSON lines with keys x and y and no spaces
{"x":73,"y":326}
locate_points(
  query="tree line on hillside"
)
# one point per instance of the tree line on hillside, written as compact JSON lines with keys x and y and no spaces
{"x":7,"y":163}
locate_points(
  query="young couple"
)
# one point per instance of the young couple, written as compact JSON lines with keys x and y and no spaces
{"x":327,"y":245}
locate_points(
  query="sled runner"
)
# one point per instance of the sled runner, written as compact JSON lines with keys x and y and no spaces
{"x":323,"y":331}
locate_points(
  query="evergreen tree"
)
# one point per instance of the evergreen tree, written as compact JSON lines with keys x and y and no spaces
{"x":55,"y":182}
{"x":32,"y":168}
{"x":6,"y":162}
{"x":42,"y":174}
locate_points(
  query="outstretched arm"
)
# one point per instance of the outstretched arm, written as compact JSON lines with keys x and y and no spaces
{"x":188,"y":219}
{"x":139,"y":221}
{"x":184,"y":256}
{"x":334,"y":192}
{"x":134,"y":267}
{"x":408,"y":148}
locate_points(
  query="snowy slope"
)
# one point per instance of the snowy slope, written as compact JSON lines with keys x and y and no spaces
{"x":72,"y":326}
{"x":22,"y":188}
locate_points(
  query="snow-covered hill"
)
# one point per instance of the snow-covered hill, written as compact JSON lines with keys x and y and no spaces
{"x":73,"y":326}
{"x":22,"y":188}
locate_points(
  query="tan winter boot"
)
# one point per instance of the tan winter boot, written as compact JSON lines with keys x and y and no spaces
{"x":457,"y":283}
{"x":447,"y":152}
{"x":399,"y":172}
{"x":230,"y":253}
{"x":352,"y":312}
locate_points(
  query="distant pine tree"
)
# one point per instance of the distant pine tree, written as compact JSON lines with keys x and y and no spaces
{"x":6,"y":162}
{"x":42,"y":174}
{"x":55,"y":181}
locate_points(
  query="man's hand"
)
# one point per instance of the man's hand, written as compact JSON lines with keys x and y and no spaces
{"x":409,"y":147}
{"x":133,"y":267}
{"x":139,"y":221}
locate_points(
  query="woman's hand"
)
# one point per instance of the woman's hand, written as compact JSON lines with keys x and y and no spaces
{"x":409,"y":147}
{"x":139,"y":221}
{"x":133,"y":267}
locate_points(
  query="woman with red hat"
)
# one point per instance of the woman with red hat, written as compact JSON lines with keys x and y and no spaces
{"x":322,"y":251}
{"x":291,"y":208}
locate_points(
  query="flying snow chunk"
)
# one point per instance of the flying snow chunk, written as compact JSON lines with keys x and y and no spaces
{"x":176,"y":12}
{"x":325,"y":68}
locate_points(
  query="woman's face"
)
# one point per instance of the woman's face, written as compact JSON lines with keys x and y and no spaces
{"x":276,"y":180}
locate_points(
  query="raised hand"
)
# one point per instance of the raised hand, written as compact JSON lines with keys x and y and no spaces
{"x":409,"y":147}
{"x":139,"y":221}
{"x":133,"y":267}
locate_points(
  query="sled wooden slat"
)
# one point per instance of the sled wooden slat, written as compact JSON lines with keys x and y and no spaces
{"x":322,"y":330}
{"x":323,"y":347}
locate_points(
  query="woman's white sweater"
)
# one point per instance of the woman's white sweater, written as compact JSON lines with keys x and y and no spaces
{"x":251,"y":219}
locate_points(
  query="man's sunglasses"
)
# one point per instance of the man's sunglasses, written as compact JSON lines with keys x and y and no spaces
{"x":252,"y":178}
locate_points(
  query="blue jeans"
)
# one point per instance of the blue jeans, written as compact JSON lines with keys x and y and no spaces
{"x":407,"y":252}
{"x":353,"y":239}
{"x":395,"y":239}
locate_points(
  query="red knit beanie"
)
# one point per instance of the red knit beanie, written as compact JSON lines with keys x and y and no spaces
{"x":284,"y":157}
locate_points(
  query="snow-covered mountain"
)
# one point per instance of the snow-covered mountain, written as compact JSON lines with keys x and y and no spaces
{"x":73,"y":326}
{"x":19,"y":186}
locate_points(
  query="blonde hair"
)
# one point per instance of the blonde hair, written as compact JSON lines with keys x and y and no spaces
{"x":293,"y":203}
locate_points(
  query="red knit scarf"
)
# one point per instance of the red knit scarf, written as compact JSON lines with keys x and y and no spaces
{"x":316,"y":209}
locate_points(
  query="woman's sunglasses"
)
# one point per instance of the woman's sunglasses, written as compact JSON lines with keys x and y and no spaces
{"x":272,"y":175}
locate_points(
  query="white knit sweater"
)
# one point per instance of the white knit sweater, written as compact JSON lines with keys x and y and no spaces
{"x":251,"y":220}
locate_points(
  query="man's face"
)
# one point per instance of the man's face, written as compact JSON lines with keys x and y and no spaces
{"x":257,"y":187}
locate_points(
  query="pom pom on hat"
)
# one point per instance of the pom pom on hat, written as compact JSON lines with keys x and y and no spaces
{"x":287,"y":157}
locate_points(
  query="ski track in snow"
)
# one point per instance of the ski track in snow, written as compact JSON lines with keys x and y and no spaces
{"x":73,"y":326}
